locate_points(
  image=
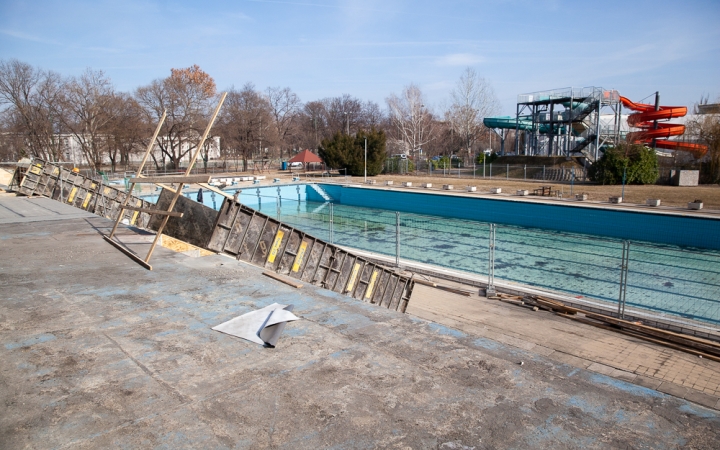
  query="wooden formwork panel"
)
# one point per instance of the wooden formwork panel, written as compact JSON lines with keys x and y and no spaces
{"x":58,"y":183}
{"x":252,"y":236}
{"x":264,"y":241}
{"x":312,"y":256}
{"x":363,"y":279}
{"x":290,"y":252}
{"x":267,"y":236}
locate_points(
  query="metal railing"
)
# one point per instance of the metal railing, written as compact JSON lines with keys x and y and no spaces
{"x":498,"y":171}
{"x":662,"y":279}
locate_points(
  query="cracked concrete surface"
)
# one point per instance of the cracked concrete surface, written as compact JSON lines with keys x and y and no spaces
{"x":98,"y":352}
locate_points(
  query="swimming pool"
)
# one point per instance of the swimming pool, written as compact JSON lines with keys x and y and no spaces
{"x":663,"y":277}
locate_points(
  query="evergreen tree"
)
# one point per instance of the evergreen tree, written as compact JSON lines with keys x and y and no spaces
{"x":348,"y":152}
{"x":639,"y":163}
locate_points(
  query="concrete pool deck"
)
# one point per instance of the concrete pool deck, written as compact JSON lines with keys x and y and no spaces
{"x":98,"y":352}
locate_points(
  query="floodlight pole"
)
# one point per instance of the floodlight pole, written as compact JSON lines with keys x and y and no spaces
{"x":365,"y":160}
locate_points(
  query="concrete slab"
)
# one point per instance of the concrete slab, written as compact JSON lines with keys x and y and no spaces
{"x":98,"y":352}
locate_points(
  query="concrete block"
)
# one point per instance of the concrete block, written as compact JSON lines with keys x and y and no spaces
{"x":701,"y":398}
{"x":371,"y":181}
{"x":407,"y":183}
{"x":673,"y":389}
{"x":652,"y":202}
{"x":615,"y":199}
{"x":648,"y":382}
{"x":426,"y":185}
{"x":471,"y":188}
{"x":495,"y":190}
{"x":448,"y":187}
{"x":581,"y":197}
{"x":686,"y":177}
{"x":389,"y":183}
{"x":695,"y":205}
{"x":522,"y":192}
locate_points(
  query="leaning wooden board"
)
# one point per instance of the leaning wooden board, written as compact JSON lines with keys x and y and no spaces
{"x":254,"y":237}
{"x":51,"y":180}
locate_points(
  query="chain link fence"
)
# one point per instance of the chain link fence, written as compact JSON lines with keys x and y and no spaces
{"x":486,"y":171}
{"x":664,"y":279}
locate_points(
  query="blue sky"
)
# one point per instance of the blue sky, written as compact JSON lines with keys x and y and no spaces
{"x":371,"y":48}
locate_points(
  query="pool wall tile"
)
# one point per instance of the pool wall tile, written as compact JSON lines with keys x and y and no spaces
{"x":671,"y":229}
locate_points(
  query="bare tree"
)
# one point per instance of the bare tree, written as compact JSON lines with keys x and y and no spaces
{"x":704,"y":126}
{"x":126,"y":130}
{"x":244,"y":123}
{"x":88,"y":104}
{"x":473,"y":100}
{"x":412,"y":121}
{"x":284,"y":107}
{"x":186,"y":95}
{"x":33,"y":101}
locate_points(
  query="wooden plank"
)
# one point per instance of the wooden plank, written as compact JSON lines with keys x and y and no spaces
{"x":282,"y":279}
{"x":154,"y":211}
{"x":424,"y":282}
{"x":190,"y":179}
{"x":643,"y":337}
{"x":215,"y":190}
{"x":682,"y":339}
{"x":127,"y":251}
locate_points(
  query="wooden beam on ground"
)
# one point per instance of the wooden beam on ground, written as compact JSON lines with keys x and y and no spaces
{"x":215,"y":190}
{"x":155,"y":211}
{"x":424,"y":282}
{"x":643,"y":337}
{"x":454,"y":290}
{"x":697,"y":343}
{"x":188,"y":179}
{"x":288,"y":281}
{"x":127,"y":251}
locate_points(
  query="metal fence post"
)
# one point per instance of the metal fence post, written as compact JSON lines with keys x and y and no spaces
{"x":397,"y":238}
{"x":277,"y":207}
{"x":507,"y":172}
{"x":543,"y":173}
{"x":331,"y":223}
{"x":490,"y":171}
{"x":490,"y":291}
{"x":623,"y":278}
{"x":525,"y":172}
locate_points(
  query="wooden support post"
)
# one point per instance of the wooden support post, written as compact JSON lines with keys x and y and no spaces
{"x":139,"y":172}
{"x":154,"y":211}
{"x":173,"y":179}
{"x":187,"y":172}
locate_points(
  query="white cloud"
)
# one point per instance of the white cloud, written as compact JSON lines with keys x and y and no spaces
{"x":460,"y":59}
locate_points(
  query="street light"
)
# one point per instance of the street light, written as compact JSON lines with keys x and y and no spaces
{"x":347,"y":119}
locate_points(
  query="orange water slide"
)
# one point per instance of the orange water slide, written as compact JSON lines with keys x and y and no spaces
{"x":644,"y":119}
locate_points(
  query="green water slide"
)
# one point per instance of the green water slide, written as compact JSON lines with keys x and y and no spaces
{"x":509,"y":123}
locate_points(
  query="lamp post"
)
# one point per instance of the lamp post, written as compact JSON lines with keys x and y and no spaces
{"x":347,"y":120}
{"x":365,"y":160}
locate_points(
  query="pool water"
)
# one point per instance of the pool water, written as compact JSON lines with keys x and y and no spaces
{"x":667,"y":279}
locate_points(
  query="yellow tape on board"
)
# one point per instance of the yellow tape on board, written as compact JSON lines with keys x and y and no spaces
{"x":299,"y":257}
{"x":353,"y":277}
{"x":36,"y":169}
{"x":135,"y":214}
{"x":371,"y":285}
{"x":87,"y":200}
{"x":276,"y":246}
{"x":71,"y":197}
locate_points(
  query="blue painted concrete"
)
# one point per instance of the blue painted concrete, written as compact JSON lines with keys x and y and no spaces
{"x":689,"y":231}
